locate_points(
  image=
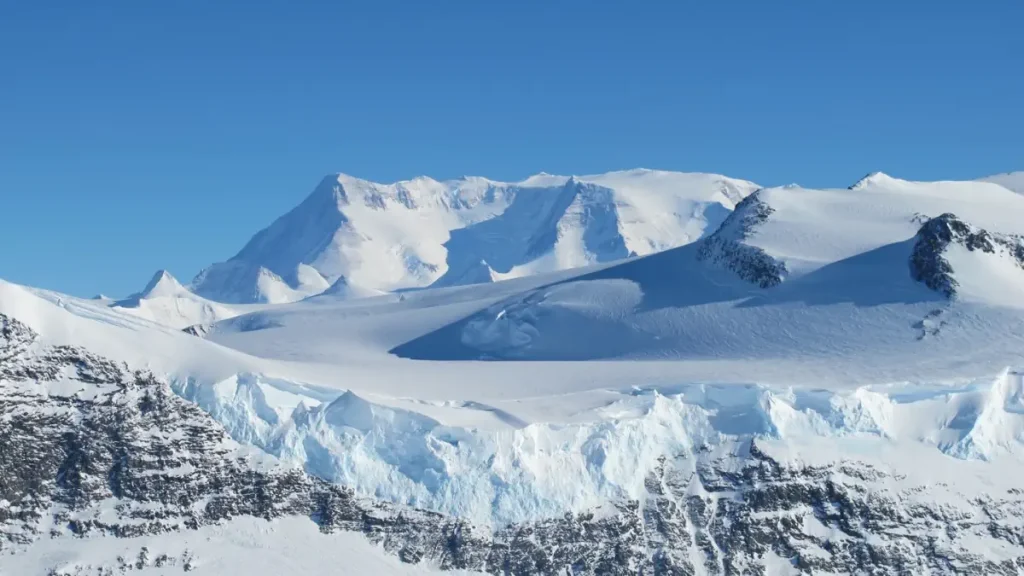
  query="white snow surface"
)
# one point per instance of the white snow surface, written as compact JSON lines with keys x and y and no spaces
{"x":384,"y":237}
{"x":533,"y":396}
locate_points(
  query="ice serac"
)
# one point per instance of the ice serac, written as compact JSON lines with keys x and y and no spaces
{"x":421,"y":232}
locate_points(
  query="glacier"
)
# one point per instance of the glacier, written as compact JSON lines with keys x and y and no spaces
{"x":541,"y":470}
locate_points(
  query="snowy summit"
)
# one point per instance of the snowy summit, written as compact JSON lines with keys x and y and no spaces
{"x":383,"y":237}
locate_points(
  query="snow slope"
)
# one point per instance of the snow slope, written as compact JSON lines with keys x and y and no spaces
{"x":1010,"y":180}
{"x":377,"y":238}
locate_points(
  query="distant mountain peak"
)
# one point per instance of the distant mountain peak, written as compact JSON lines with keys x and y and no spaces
{"x":873,"y":179}
{"x":162,"y":284}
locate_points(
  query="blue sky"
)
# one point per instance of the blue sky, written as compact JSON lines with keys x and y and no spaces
{"x":144,"y":135}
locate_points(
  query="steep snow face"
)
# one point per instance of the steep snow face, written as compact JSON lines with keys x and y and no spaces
{"x":165,"y":301}
{"x":387,"y":237}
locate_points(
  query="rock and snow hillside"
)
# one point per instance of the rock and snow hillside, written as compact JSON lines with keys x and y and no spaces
{"x":94,"y":451}
{"x":360,"y":238}
{"x":817,"y":382}
{"x":793,"y":275}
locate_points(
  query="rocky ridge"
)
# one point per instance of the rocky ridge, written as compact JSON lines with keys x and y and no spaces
{"x":928,"y":263}
{"x":726,"y":248}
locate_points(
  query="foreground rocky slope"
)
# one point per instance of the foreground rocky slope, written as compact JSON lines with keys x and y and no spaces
{"x":91,"y":448}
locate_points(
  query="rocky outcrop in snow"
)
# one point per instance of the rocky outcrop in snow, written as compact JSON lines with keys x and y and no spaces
{"x":928,"y":263}
{"x":726,"y":248}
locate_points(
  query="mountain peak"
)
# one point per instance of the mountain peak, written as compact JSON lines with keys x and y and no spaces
{"x":162,"y":284}
{"x":873,"y":179}
{"x":410,"y":234}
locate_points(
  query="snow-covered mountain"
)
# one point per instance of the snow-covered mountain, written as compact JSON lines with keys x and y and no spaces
{"x":374,"y":238}
{"x":813,"y":382}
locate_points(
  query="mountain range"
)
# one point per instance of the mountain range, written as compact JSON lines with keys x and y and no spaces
{"x":638,"y":372}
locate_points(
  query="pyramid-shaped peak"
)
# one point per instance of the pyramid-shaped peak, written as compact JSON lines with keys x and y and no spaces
{"x":162,"y":284}
{"x":340,"y":286}
{"x":873,"y":179}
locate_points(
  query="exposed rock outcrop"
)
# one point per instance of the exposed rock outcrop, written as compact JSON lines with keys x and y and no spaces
{"x":726,"y":246}
{"x":928,"y":263}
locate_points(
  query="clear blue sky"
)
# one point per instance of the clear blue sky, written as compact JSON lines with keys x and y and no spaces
{"x":144,"y":135}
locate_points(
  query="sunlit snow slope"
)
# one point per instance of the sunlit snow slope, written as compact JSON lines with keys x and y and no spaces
{"x":364,"y":238}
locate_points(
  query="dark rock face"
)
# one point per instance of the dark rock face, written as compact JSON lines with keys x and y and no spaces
{"x":928,"y":263}
{"x":199,"y":330}
{"x":79,"y":433}
{"x":726,"y":246}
